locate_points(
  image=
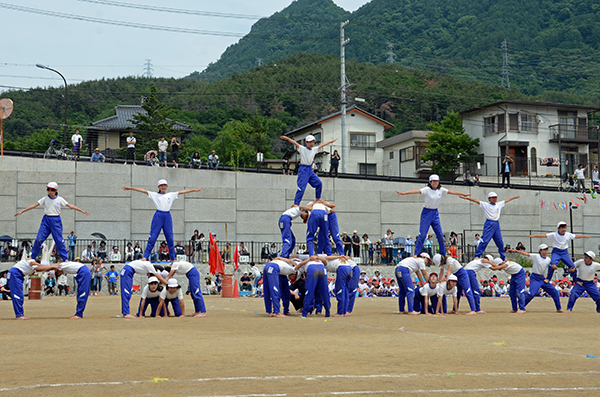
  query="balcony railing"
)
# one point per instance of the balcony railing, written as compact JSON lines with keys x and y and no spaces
{"x":569,"y":132}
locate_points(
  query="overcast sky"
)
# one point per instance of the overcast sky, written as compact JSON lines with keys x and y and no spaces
{"x":86,"y":50}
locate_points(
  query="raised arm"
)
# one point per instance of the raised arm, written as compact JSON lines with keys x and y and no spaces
{"x":470,"y":199}
{"x":414,"y":191}
{"x":508,"y":200}
{"x":32,"y":206}
{"x":71,"y":206}
{"x":537,"y":236}
{"x":325,"y":144}
{"x":189,"y":191}
{"x":519,"y":252}
{"x":293,"y":142}
{"x":135,"y":189}
{"x":455,"y":193}
{"x":582,"y":236}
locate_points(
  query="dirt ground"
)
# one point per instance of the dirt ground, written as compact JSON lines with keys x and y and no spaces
{"x":238,"y":351}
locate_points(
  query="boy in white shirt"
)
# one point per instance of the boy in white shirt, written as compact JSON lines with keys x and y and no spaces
{"x":586,"y":269}
{"x":447,"y":288}
{"x":173,"y":295}
{"x":517,"y":283}
{"x":426,"y":293}
{"x":162,"y":151}
{"x":16,"y":276}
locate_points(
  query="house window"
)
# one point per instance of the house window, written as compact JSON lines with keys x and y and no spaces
{"x":367,"y":169}
{"x":490,"y":125}
{"x":533,"y":159}
{"x":568,"y":123}
{"x":391,"y":154}
{"x":513,"y":122}
{"x":528,"y":122}
{"x":362,"y":141}
{"x":421,"y":150}
{"x":407,"y":154}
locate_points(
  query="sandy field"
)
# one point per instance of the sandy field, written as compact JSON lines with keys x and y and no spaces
{"x":238,"y":351}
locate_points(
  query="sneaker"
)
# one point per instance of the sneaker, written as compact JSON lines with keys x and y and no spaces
{"x":134,"y":164}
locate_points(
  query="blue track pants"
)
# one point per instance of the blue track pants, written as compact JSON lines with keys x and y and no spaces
{"x":353,"y":288}
{"x":50,"y":225}
{"x":306,"y":175}
{"x":491,"y":231}
{"x":316,"y":289}
{"x":406,"y":289}
{"x":161,"y":220}
{"x":287,"y":236}
{"x":430,"y":217}
{"x":535,"y":283}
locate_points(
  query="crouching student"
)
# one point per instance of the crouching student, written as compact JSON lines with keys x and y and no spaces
{"x":150,"y":297}
{"x":517,"y":283}
{"x":16,"y":276}
{"x":316,"y":285}
{"x":426,"y":294}
{"x":173,"y":295}
{"x":586,"y":268}
{"x":276,"y":286}
{"x":193,"y":276}
{"x":127,"y":273}
{"x":83,"y":278}
{"x":447,"y":288}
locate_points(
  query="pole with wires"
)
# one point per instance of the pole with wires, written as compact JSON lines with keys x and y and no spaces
{"x":343,"y":96}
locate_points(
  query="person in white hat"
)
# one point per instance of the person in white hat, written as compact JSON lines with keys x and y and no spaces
{"x":162,"y":217}
{"x":491,"y":227}
{"x":185,"y":268}
{"x":15,"y":278}
{"x":51,"y":222}
{"x":306,"y":175}
{"x":276,"y":286}
{"x":453,"y":267}
{"x":173,"y":294}
{"x":539,"y":276}
{"x":586,"y":268}
{"x":517,"y":283}
{"x":150,"y":297}
{"x":560,"y":248}
{"x":447,"y":288}
{"x":404,"y":270}
{"x":430,"y":216}
{"x":472,"y":268}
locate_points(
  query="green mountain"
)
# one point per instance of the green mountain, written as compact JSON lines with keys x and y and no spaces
{"x":553,"y":45}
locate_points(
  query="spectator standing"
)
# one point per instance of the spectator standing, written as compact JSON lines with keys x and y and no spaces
{"x":97,"y":156}
{"x":286,"y":166}
{"x":335,"y":163}
{"x":162,"y":151}
{"x":213,"y":160}
{"x":72,"y":244}
{"x":595,"y":177}
{"x":477,"y":240}
{"x":506,"y":170}
{"x":112,"y":276}
{"x":428,"y":245}
{"x":174,"y":151}
{"x":408,"y":246}
{"x":366,"y":245}
{"x":580,"y":173}
{"x":131,"y":141}
{"x":77,"y":140}
{"x":197,"y":239}
{"x":347,"y":241}
{"x":355,"y":244}
{"x":97,"y":271}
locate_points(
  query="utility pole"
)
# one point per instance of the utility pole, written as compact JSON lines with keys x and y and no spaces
{"x":259,"y":62}
{"x":390,"y":53}
{"x":505,"y":80}
{"x":343,"y":96}
{"x":149,"y":68}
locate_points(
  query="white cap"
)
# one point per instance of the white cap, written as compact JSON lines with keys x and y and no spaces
{"x":172,"y":283}
{"x":437,"y":259}
{"x":162,"y":182}
{"x":590,"y":254}
{"x":489,"y":257}
{"x":492,"y":194}
{"x":561,"y":223}
{"x":310,"y":138}
{"x":425,"y":255}
{"x":52,"y":185}
{"x":355,"y":231}
{"x":452,"y":277}
{"x":497,"y":261}
{"x":542,"y":246}
{"x":434,"y":177}
{"x":152,"y":280}
{"x":408,"y":236}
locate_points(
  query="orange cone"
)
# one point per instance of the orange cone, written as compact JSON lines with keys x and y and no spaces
{"x":236,"y":293}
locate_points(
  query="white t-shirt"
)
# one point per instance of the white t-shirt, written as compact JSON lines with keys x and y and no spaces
{"x":307,"y":156}
{"x":285,"y":269}
{"x":580,"y":173}
{"x":75,"y":138}
{"x":163,"y":145}
{"x":363,"y":287}
{"x":26,"y":267}
{"x":163,"y":202}
{"x":433,"y":197}
{"x":595,"y":176}
{"x":62,"y":280}
{"x":443,"y":289}
{"x":476,"y":265}
{"x":456,"y":266}
{"x":513,"y":268}
{"x":320,"y":206}
{"x":560,"y":241}
{"x":165,"y":294}
{"x":492,"y":212}
{"x":333,"y":265}
{"x":293,"y":212}
{"x":310,"y":263}
{"x":413,"y":264}
{"x":52,"y":206}
{"x":71,"y":267}
{"x":255,"y":271}
{"x":181,"y":267}
{"x":540,"y":265}
{"x":142,"y":267}
{"x":426,"y":290}
{"x":146,"y":293}
{"x":586,"y":272}
{"x":131,"y":141}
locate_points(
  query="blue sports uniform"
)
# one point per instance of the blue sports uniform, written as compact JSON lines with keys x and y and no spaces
{"x":276,"y":286}
{"x":161,"y":220}
{"x":193,"y":276}
{"x":517,"y":285}
{"x":51,"y":224}
{"x":472,"y":268}
{"x":173,"y":299}
{"x":353,"y":288}
{"x":403,"y":272}
{"x":287,"y":235}
{"x":317,"y":221}
{"x":306,"y":175}
{"x":537,"y":280}
{"x":419,"y":304}
{"x":560,"y":252}
{"x":491,"y":228}
{"x":334,"y":231}
{"x":316,"y":288}
{"x":430,"y":217}
{"x":127,"y":273}
{"x":586,"y":277}
{"x":343,"y":283}
{"x":15,"y":278}
{"x":83,"y":278}
{"x":150,"y":298}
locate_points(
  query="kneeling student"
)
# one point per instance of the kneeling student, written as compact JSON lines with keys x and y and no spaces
{"x":173,"y":295}
{"x":150,"y":297}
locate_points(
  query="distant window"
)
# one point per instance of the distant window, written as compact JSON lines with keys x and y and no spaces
{"x":528,"y":122}
{"x":407,"y":154}
{"x":490,"y":125}
{"x":362,"y":141}
{"x":391,"y":155}
{"x":533,"y":159}
{"x":367,"y":169}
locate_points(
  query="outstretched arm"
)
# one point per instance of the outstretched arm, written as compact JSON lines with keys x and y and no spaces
{"x":330,"y":205}
{"x":519,"y":252}
{"x":189,"y":191}
{"x":582,"y":236}
{"x":415,"y":191}
{"x":32,"y":206}
{"x":537,"y":236}
{"x":454,"y":192}
{"x":71,"y":206}
{"x":508,"y":200}
{"x":135,"y":189}
{"x":470,"y":199}
{"x":325,"y":144}
{"x":293,"y":142}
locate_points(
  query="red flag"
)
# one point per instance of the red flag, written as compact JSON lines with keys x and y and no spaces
{"x":236,"y":258}
{"x":214,"y":260}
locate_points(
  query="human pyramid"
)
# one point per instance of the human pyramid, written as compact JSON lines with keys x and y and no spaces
{"x":428,"y":297}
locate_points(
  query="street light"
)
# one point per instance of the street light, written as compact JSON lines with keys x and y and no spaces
{"x":65,"y":80}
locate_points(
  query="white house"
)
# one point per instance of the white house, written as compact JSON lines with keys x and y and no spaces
{"x":535,"y":134}
{"x":364,"y":131}
{"x":402,"y":155}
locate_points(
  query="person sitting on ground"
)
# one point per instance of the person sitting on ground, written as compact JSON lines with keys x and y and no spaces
{"x":115,"y":254}
{"x":467,"y":178}
{"x":500,"y":289}
{"x":213,"y":160}
{"x":179,"y":250}
{"x":50,"y":284}
{"x":97,"y":156}
{"x":363,"y":288}
{"x":163,"y":252}
{"x":195,"y":160}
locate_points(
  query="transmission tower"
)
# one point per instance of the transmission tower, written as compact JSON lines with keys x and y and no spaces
{"x":390,"y":53}
{"x":259,"y":62}
{"x":505,"y":80}
{"x":149,"y":68}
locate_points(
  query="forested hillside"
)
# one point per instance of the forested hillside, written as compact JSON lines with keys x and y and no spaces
{"x":554,"y":45}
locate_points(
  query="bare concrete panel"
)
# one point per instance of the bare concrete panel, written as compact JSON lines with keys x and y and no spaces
{"x":256,"y":200}
{"x":211,"y":210}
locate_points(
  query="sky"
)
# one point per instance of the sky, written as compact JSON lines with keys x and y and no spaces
{"x":86,"y":50}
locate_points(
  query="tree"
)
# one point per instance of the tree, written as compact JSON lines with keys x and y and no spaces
{"x":449,"y":145}
{"x":156,"y":117}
